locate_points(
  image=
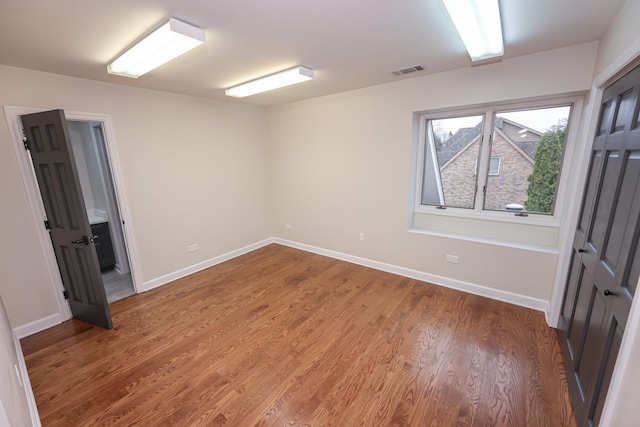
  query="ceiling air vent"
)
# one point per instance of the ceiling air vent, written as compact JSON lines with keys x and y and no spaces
{"x":408,"y":70}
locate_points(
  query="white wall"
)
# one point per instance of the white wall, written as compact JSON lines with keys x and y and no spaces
{"x":342,"y":166}
{"x":13,"y":400}
{"x":621,"y":35}
{"x":194,"y":172}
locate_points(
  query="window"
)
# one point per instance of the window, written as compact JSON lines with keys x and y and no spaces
{"x":451,"y":145}
{"x":495,"y":159}
{"x":494,"y":166}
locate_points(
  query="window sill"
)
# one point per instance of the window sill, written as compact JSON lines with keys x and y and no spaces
{"x":494,"y":216}
{"x":488,"y":241}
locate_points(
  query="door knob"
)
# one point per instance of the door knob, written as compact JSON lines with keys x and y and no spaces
{"x":582,"y":250}
{"x":81,"y":241}
{"x":607,"y":293}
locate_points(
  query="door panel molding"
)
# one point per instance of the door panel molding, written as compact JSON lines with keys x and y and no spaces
{"x":596,"y":307}
{"x":75,"y":251}
{"x":36,"y":207}
{"x":13,"y":114}
{"x":591,"y":118}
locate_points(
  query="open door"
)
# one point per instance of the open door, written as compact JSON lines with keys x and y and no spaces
{"x":47,"y":139}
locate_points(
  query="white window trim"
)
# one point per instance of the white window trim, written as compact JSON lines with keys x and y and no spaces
{"x":487,"y":110}
{"x":434,"y":156}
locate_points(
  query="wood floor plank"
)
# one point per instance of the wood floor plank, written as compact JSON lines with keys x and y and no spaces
{"x":281,"y":337}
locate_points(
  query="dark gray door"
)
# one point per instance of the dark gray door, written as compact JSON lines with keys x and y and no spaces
{"x":606,"y":261}
{"x":48,"y":141}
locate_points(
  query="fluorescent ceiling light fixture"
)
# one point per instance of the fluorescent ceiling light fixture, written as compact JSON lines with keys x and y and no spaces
{"x":479,"y":26}
{"x":274,"y":81}
{"x":166,"y":43}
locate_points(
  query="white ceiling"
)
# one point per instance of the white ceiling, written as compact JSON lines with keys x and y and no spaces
{"x":349,"y":43}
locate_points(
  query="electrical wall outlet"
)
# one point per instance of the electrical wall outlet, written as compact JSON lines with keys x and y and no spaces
{"x":288,"y":227}
{"x":192,"y":248}
{"x":362,"y":237}
{"x":454,"y":259}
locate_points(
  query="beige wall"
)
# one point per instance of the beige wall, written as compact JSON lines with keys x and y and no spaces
{"x":623,"y":32}
{"x":342,"y":166}
{"x":194,"y":172}
{"x":12,"y":395}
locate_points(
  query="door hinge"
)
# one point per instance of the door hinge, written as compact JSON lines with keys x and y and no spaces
{"x":65,"y":294}
{"x":26,"y":143}
{"x":47,"y":225}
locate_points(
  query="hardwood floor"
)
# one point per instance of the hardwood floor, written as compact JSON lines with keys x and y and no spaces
{"x":280,"y":337}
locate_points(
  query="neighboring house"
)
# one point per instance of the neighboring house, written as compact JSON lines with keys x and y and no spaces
{"x":512,"y":158}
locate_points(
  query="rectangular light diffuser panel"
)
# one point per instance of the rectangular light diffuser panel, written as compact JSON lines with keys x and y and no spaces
{"x":166,"y":43}
{"x":478,"y":23}
{"x":274,"y":81}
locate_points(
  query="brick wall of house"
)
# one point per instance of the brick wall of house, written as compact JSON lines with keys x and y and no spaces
{"x":509,"y":186}
{"x":459,"y":178}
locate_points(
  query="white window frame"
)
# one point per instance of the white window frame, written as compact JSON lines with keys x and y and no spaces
{"x":489,"y":110}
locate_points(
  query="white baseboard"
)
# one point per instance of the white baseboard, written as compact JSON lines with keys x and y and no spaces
{"x":472,"y":288}
{"x":26,"y":383}
{"x":55,"y":319}
{"x":37,"y":325}
{"x":163,"y":280}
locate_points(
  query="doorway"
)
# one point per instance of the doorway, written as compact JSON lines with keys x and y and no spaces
{"x":106,"y":139}
{"x":96,"y":182}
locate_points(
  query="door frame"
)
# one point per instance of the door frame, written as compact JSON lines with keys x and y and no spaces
{"x":624,"y":62}
{"x":13,"y":114}
{"x":111,"y":201}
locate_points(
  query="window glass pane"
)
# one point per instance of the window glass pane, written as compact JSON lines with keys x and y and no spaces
{"x":528,"y":145}
{"x":494,"y":166}
{"x":451,"y":152}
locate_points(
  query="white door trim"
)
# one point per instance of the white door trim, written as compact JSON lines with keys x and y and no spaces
{"x":572,"y":211}
{"x":117,"y":232}
{"x":13,"y":114}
